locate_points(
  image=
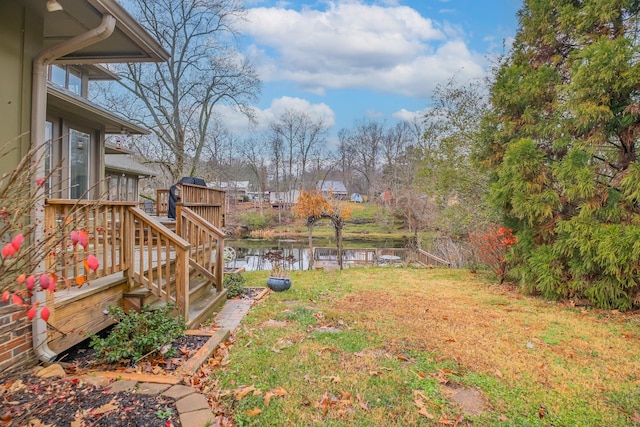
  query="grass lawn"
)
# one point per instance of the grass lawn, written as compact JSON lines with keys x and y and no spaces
{"x":395,"y":347}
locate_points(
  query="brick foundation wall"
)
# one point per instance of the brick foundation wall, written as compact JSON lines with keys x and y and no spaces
{"x":16,"y":346}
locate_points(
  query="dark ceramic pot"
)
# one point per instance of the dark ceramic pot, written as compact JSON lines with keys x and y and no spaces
{"x":278,"y":284}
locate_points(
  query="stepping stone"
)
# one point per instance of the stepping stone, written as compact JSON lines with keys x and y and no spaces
{"x":151,"y":389}
{"x":193,"y":402}
{"x":118,"y":386}
{"x":52,"y":371}
{"x":200,"y":418}
{"x":177,"y":392}
{"x":95,"y":380}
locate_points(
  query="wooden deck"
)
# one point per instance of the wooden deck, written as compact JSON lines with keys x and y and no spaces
{"x":137,"y":252}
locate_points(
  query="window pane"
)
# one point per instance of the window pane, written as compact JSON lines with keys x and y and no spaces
{"x":59,"y":75}
{"x":132,"y":186}
{"x":123,"y":188}
{"x":75,"y":82}
{"x":78,"y":164}
{"x":113,"y":187}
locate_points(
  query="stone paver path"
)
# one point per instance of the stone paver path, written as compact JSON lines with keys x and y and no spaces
{"x":232,"y":313}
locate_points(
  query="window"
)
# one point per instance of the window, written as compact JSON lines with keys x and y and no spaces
{"x":74,"y":82}
{"x":79,"y":144}
{"x":58,"y":75}
{"x":66,"y":77}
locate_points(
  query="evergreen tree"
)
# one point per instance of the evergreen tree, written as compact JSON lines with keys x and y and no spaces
{"x":562,"y":140}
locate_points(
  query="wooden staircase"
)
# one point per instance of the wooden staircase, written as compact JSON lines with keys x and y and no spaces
{"x":204,"y":299}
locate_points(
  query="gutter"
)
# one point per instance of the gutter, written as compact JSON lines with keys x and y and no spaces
{"x":38,"y":119}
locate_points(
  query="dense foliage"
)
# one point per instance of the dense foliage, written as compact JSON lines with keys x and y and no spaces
{"x":137,"y":335}
{"x":562,"y":138}
{"x":234,"y":284}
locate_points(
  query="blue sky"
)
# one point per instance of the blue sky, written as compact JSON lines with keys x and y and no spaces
{"x":345,"y":60}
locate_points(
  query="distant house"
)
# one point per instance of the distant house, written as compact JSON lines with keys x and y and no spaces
{"x":284,"y":197}
{"x":356,"y":198}
{"x":335,"y":188}
{"x":236,"y":190}
{"x":123,"y":174}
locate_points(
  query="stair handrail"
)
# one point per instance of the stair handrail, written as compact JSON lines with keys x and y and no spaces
{"x":185,"y":218}
{"x":181,"y":249}
{"x":435,"y":258}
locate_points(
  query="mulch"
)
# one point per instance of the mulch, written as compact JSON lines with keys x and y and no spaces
{"x":27,"y":400}
{"x":31,"y":401}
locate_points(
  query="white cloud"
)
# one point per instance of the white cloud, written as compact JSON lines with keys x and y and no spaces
{"x":391,"y":49}
{"x":238,"y":124}
{"x":408,"y":116}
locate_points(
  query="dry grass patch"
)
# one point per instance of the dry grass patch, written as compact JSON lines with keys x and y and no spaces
{"x":494,"y":331}
{"x":391,"y":347}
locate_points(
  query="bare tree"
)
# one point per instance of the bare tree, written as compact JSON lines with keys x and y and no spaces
{"x":300,"y":136}
{"x":254,"y":157}
{"x":176,"y":99}
{"x":364,"y":144}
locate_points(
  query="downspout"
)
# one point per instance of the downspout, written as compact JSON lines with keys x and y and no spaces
{"x":38,"y":119}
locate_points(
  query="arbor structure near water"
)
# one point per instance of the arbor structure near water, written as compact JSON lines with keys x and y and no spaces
{"x":176,"y":99}
{"x":311,"y":206}
{"x":562,"y":141}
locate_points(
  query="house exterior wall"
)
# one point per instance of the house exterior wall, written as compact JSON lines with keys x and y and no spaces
{"x":20,"y":41}
{"x":16,"y":347}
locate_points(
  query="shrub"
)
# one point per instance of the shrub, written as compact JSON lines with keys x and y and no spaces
{"x":255,"y":221}
{"x":491,"y":248}
{"x":234,"y":283}
{"x":137,"y":335}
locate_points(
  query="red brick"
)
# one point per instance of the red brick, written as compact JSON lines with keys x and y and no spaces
{"x":22,"y":348}
{"x":10,"y":345}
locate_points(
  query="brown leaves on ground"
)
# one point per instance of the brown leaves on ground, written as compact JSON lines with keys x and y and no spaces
{"x":422,"y":402}
{"x":278,"y":391}
{"x":342,"y":405}
{"x":483,"y":331}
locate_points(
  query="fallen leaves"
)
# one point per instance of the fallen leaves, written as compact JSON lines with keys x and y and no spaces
{"x":278,"y":391}
{"x":253,"y":412}
{"x":242,"y":391}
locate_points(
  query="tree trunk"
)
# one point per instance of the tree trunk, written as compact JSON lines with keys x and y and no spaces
{"x":338,"y":229}
{"x":310,"y":227}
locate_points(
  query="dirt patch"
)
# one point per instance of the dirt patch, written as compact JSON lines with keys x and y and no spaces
{"x":271,"y":323}
{"x":470,"y":400}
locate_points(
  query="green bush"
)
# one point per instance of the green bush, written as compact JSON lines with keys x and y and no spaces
{"x":235,"y":284}
{"x":255,"y":221}
{"x":137,"y":335}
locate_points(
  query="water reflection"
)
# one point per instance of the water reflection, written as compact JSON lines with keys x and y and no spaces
{"x":249,"y":253}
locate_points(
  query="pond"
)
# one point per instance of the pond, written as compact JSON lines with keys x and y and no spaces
{"x":249,"y":252}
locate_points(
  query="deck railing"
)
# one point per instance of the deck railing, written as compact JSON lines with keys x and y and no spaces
{"x":207,"y":244}
{"x":425,"y":258}
{"x":161,"y":260}
{"x":125,"y":240}
{"x":162,"y":202}
{"x":199,"y":199}
{"x":101,"y":223}
{"x":377,"y":256}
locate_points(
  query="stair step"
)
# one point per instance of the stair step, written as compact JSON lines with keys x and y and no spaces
{"x":138,"y":298}
{"x":202,"y":308}
{"x":198,"y":285}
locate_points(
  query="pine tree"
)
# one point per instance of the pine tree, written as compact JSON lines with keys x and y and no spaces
{"x":562,"y":139}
